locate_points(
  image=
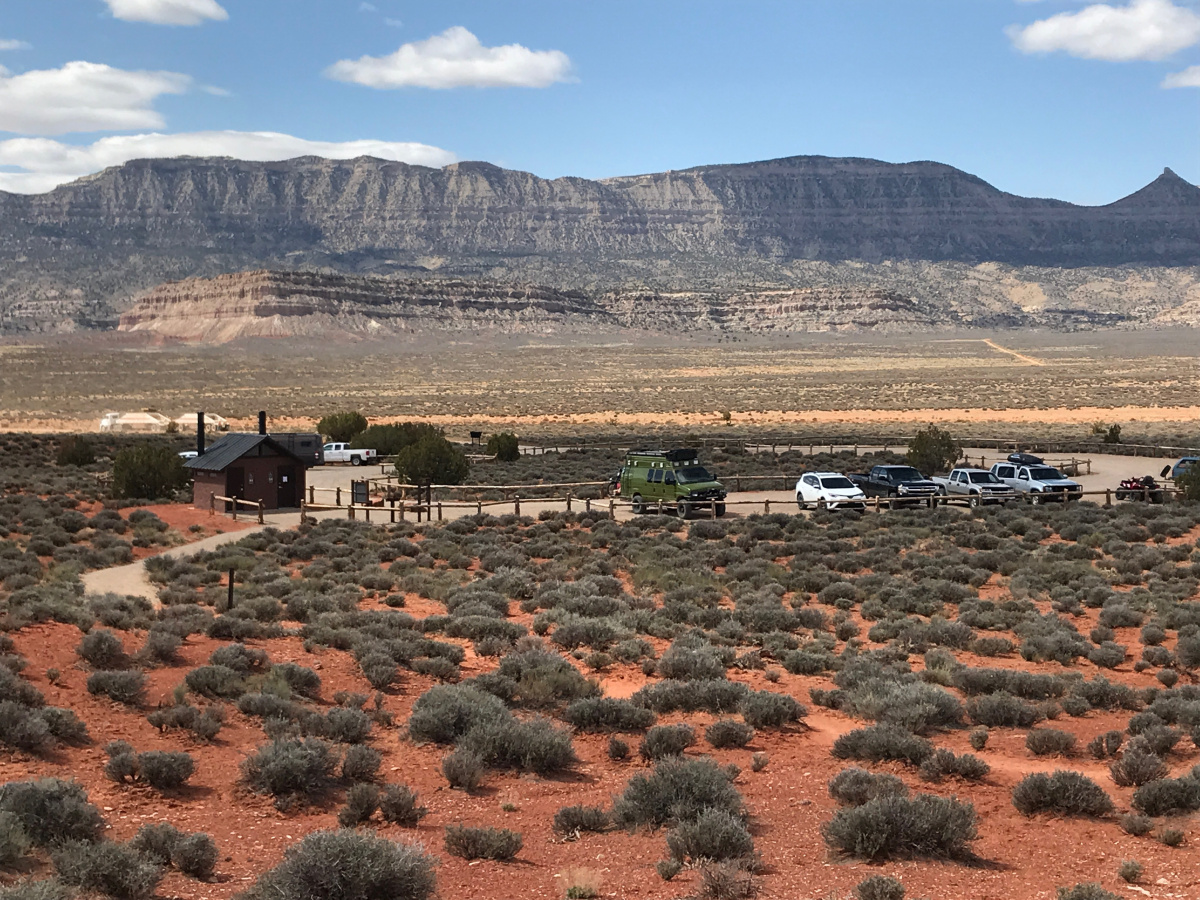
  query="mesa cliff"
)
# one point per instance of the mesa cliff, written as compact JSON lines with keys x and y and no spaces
{"x":74,"y":258}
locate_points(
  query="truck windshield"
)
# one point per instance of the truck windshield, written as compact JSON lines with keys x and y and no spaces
{"x":904,"y":474}
{"x":1045,"y":473}
{"x":837,"y":483}
{"x":982,"y":478}
{"x":693,"y":475}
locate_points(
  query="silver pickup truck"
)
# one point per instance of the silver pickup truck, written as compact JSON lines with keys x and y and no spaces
{"x":976,"y":485}
{"x":1038,"y":483}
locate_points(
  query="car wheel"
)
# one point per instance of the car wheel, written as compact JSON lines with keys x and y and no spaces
{"x":720,"y":510}
{"x":973,"y":501}
{"x":356,"y":460}
{"x":682,"y":508}
{"x":932,"y":502}
{"x":1034,"y":498}
{"x":800,"y":503}
{"x":638,"y":506}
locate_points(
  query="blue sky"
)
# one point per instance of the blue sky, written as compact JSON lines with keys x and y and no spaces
{"x":1053,"y":98}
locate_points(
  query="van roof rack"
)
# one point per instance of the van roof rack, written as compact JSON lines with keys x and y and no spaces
{"x":669,"y":455}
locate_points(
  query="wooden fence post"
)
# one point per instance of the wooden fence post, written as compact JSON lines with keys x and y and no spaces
{"x":234,"y":505}
{"x":876,"y":503}
{"x":312,"y":494}
{"x":479,"y":507}
{"x":517,"y":504}
{"x":612,"y":508}
{"x":568,"y":501}
{"x":766,"y":507}
{"x":402,"y":510}
{"x":1108,"y":496}
{"x":350,"y":511}
{"x":587,"y":504}
{"x":260,"y":512}
{"x":439,"y":510}
{"x":212,"y":504}
{"x":338,"y":502}
{"x":303,"y":511}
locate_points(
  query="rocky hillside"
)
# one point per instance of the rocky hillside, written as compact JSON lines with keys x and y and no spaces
{"x":291,"y":303}
{"x":283,"y":304}
{"x":75,"y":257}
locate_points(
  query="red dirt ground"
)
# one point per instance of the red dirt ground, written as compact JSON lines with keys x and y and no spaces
{"x":1023,"y":858}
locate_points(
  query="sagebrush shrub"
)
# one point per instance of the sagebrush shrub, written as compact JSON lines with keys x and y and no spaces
{"x":196,"y":855}
{"x":666,"y":740}
{"x":482,"y":843}
{"x":876,"y":743}
{"x":1085,"y":891}
{"x":13,"y":840}
{"x":1137,"y":766}
{"x":1002,"y":709}
{"x":123,"y":687}
{"x":1136,"y":825}
{"x":879,"y":887}
{"x":766,"y":709}
{"x":677,"y":789}
{"x":361,"y":763}
{"x":533,"y":746}
{"x":348,"y":865}
{"x":728,"y":733}
{"x":399,"y":805}
{"x":104,"y":867}
{"x":362,"y":801}
{"x":607,"y":714}
{"x":157,"y":842}
{"x":944,"y":763}
{"x":1065,"y":792}
{"x":855,"y":786}
{"x":1168,"y":796}
{"x":1049,"y":742}
{"x":463,"y":769}
{"x":571,"y":821}
{"x":291,"y":768}
{"x":714,"y":835}
{"x":52,"y":811}
{"x":1105,"y":745}
{"x":165,"y":770}
{"x":347,"y":725}
{"x":102,"y":649}
{"x":895,"y":827}
{"x":446,"y":712}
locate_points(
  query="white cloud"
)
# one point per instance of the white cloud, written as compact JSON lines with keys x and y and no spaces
{"x":168,"y":12}
{"x":455,"y":58}
{"x":1145,"y":29}
{"x":84,"y":96}
{"x":393,"y":23}
{"x":9,"y":44}
{"x":1189,"y":77}
{"x":46,"y":163}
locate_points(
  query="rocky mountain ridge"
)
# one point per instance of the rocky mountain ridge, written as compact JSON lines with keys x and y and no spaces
{"x":75,"y":257}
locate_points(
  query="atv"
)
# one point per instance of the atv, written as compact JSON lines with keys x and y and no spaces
{"x":1144,"y":488}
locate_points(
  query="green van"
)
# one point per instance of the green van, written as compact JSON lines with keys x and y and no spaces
{"x":674,"y":477}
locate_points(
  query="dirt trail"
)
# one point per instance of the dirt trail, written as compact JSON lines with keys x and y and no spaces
{"x":132,"y":580}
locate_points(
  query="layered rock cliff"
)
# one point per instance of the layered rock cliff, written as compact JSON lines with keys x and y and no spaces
{"x":285,"y":304}
{"x":75,"y":256}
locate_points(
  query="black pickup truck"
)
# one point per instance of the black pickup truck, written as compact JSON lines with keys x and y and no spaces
{"x":897,"y":482}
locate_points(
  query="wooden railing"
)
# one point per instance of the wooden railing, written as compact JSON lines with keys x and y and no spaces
{"x":400,"y":510}
{"x":233,"y":502}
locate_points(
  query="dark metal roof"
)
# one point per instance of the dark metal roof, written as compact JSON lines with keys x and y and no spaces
{"x":231,"y":448}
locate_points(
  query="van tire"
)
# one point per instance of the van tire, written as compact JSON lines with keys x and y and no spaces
{"x":638,"y":506}
{"x":682,"y":508}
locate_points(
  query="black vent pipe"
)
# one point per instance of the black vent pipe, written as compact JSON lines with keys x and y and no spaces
{"x":200,"y":433}
{"x":262,"y":421}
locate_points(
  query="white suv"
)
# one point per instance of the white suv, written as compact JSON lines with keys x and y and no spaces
{"x":831,"y":490}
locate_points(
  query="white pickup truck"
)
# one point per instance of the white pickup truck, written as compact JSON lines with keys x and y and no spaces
{"x":977,"y":485}
{"x":1038,"y":483}
{"x":342,"y":453}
